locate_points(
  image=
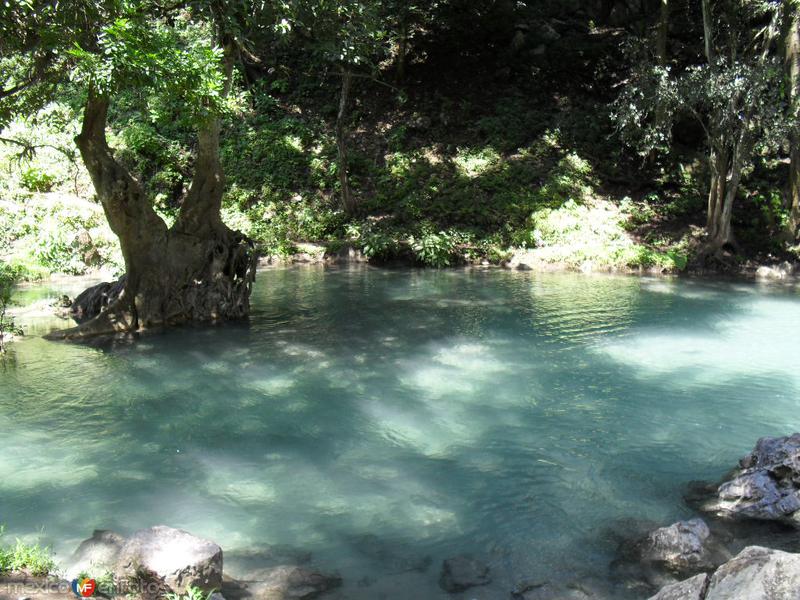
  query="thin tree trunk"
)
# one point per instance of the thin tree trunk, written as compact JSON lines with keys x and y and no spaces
{"x":402,"y":51}
{"x":722,"y":232}
{"x":708,"y":32}
{"x":792,"y":64}
{"x":604,"y":14}
{"x":662,"y":35}
{"x":718,"y":162}
{"x":348,"y":202}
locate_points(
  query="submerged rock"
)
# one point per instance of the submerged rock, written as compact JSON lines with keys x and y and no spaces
{"x":668,"y":554}
{"x":756,"y":573}
{"x":546,"y":590}
{"x":173,"y":557}
{"x":241,"y":561}
{"x":96,"y":555}
{"x":391,"y":555}
{"x":765,"y":486}
{"x":463,"y":572}
{"x":684,"y":547}
{"x":693,"y":588}
{"x":289,"y":582}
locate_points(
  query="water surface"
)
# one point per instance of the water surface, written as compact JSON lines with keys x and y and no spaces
{"x":383,"y":420}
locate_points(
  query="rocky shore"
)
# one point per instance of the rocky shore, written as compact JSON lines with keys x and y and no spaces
{"x":744,"y":547}
{"x":763,"y":489}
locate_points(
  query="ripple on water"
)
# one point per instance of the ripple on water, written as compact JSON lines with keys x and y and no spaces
{"x":376,"y":418}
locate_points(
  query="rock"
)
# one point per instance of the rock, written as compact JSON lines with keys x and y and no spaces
{"x":347,"y":254}
{"x":766,"y":486}
{"x":683,"y":547}
{"x":779,"y":271}
{"x":96,"y":555}
{"x":756,"y":573}
{"x":393,"y":556}
{"x":463,"y":572}
{"x":549,"y":591}
{"x":668,"y":554}
{"x":239,"y":562}
{"x":693,"y":588}
{"x":289,"y":582}
{"x":94,"y":300}
{"x":173,"y":556}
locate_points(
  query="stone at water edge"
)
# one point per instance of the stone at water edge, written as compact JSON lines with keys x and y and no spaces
{"x":96,"y":555}
{"x":174,"y":556}
{"x":766,"y":485}
{"x":684,"y":547}
{"x":668,"y":554}
{"x":288,"y":582}
{"x":463,"y":572}
{"x":693,"y":588}
{"x":756,"y":573}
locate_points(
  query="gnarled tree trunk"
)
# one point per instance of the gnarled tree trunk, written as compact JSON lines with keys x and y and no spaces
{"x":197,"y":270}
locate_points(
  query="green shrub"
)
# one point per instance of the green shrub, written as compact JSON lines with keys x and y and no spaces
{"x":32,"y":559}
{"x":569,"y":180}
{"x":9,"y":276}
{"x":192,"y":593}
{"x":435,"y":249}
{"x":35,"y":180}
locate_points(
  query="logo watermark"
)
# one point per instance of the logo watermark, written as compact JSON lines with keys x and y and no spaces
{"x":84,"y":588}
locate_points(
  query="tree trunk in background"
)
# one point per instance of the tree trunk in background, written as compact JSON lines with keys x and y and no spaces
{"x":662,"y":35}
{"x":402,"y":51}
{"x":708,"y":32}
{"x":716,"y":192}
{"x":725,"y":165}
{"x":348,"y":202}
{"x":199,"y":270}
{"x":604,"y":14}
{"x":792,"y":63}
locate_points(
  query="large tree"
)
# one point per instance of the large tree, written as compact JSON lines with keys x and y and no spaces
{"x":197,"y":269}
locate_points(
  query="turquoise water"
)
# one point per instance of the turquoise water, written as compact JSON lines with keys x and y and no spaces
{"x":376,"y":418}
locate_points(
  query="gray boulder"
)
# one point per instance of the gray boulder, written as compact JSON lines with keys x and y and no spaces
{"x":756,"y":573}
{"x":693,"y":588}
{"x":766,"y":485}
{"x":173,"y":557}
{"x":288,"y":582}
{"x":463,"y":572}
{"x":668,"y":554}
{"x":96,"y":555}
{"x":683,"y":547}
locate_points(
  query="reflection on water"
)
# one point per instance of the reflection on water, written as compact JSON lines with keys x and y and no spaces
{"x":381,"y":418}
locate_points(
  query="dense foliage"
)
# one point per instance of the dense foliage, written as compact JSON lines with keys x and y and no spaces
{"x":8,"y":278}
{"x":441,"y":132}
{"x":25,"y":558}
